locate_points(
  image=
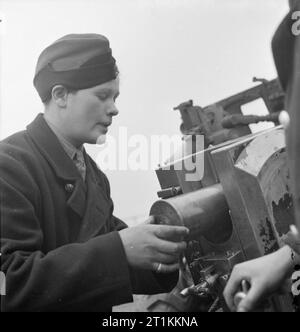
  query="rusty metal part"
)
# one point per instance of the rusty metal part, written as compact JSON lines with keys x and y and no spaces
{"x":292,"y":106}
{"x":201,"y":211}
{"x":255,"y":185}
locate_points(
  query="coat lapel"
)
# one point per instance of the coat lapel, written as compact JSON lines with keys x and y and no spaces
{"x":64,"y":168}
{"x":99,"y":207}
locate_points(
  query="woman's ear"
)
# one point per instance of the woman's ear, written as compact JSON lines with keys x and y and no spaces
{"x":59,"y":95}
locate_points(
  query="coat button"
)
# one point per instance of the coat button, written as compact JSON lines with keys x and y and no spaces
{"x":69,"y":187}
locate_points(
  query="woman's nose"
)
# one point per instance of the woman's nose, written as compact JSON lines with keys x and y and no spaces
{"x":113,"y":111}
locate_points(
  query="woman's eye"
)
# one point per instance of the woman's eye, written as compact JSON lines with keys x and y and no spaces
{"x":102,"y":97}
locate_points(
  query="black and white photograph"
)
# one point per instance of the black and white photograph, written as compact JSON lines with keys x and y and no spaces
{"x":150,"y":158}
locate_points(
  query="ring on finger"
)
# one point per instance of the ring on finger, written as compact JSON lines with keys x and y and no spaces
{"x":158,"y":269}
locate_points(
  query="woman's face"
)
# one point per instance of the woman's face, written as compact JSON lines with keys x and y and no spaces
{"x":90,"y":112}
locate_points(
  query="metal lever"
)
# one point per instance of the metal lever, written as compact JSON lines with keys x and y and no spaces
{"x":202,"y":289}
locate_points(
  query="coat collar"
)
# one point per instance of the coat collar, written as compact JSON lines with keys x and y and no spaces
{"x":64,"y":168}
{"x":70,"y":149}
{"x":50,"y":147}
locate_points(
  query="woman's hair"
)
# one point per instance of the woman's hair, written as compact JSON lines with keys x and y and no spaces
{"x":47,"y":101}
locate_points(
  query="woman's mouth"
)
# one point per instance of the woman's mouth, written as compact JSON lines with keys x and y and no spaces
{"x":104,"y":125}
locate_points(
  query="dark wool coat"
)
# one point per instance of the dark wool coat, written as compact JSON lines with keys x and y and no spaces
{"x":61,"y":250}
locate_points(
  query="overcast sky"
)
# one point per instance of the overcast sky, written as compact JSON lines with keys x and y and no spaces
{"x":168,"y":51}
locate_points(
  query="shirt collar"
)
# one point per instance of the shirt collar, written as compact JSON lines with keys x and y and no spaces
{"x":70,"y":149}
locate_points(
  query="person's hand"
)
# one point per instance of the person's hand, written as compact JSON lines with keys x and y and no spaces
{"x":265,"y":275}
{"x":154,"y":247}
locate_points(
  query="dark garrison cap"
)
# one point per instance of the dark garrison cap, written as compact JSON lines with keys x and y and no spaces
{"x":77,"y":61}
